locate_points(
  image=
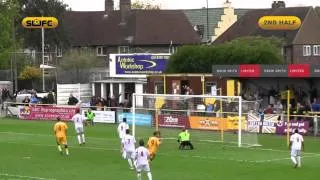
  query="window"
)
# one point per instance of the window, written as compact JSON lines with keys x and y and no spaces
{"x":101,"y":51}
{"x":307,"y":50}
{"x":123,"y":49}
{"x":158,"y":87}
{"x":211,"y":88}
{"x":58,"y":51}
{"x":316,"y":50}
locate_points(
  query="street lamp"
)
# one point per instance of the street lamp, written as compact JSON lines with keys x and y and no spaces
{"x":208,"y":21}
{"x":42,"y":36}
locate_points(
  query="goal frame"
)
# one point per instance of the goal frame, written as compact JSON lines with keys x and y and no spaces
{"x":134,"y":95}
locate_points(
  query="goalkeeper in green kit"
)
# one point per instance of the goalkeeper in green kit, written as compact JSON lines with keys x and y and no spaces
{"x":90,"y":116}
{"x":184,"y":139}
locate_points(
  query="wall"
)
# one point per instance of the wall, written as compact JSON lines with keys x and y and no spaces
{"x":299,"y":58}
{"x":83,"y":92}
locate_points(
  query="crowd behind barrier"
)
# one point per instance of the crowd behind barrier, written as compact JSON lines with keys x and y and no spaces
{"x":194,"y":119}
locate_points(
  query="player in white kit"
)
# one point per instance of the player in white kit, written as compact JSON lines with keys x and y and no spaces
{"x":79,"y":120}
{"x":122,"y":127}
{"x":142,"y":160}
{"x":296,"y":146}
{"x":128,"y":146}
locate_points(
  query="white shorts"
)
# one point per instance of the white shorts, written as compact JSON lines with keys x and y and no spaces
{"x":295,"y":152}
{"x":79,"y":129}
{"x":143,"y":167}
{"x":128,"y":155}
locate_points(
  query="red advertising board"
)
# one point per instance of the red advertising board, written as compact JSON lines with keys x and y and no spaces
{"x":249,"y":70}
{"x":174,"y":121}
{"x":298,"y":70}
{"x":46,"y":112}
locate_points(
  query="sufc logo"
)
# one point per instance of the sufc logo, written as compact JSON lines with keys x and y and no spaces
{"x":40,"y":22}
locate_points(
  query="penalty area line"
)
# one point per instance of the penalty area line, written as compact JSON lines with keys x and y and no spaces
{"x":24,"y":177}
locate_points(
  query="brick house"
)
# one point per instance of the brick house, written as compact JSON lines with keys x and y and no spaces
{"x":129,"y":30}
{"x":301,"y":45}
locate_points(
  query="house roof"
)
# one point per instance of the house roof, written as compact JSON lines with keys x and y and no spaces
{"x":143,"y":27}
{"x":199,"y":17}
{"x":247,"y":25}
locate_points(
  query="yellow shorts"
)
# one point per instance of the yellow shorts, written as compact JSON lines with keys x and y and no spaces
{"x":62,"y":140}
{"x":152,"y":152}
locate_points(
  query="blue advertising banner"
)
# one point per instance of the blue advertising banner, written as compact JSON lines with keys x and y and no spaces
{"x":141,"y":119}
{"x":141,"y":64}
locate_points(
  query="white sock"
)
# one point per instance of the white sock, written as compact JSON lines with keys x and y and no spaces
{"x":139,"y":176}
{"x":149,"y":176}
{"x":83,"y":138}
{"x":294,"y":160}
{"x":79,"y":139}
{"x":130,"y":163}
{"x":59,"y":148}
{"x":299,"y":160}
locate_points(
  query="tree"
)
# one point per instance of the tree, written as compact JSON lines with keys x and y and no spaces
{"x":246,"y":50}
{"x":8,"y":11}
{"x":146,"y":4}
{"x":30,"y":73}
{"x":79,"y":62}
{"x":50,"y":8}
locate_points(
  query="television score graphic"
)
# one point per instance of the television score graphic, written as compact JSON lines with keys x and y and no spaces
{"x":40,"y":22}
{"x":279,"y":23}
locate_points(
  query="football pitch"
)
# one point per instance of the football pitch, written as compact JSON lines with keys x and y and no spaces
{"x":28,"y":151}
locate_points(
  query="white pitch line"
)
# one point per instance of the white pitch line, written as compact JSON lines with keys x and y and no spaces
{"x":184,"y":156}
{"x":112,"y":149}
{"x":27,"y":177}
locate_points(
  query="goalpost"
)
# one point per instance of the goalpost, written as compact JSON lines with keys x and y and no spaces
{"x":207,"y":118}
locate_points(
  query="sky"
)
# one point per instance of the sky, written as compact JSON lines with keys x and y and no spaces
{"x":98,"y":5}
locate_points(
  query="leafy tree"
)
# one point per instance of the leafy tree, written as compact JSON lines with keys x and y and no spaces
{"x":146,"y":4}
{"x":80,"y":59}
{"x":8,"y":10}
{"x":50,"y":8}
{"x":246,"y":50}
{"x":79,"y":62}
{"x":30,"y":73}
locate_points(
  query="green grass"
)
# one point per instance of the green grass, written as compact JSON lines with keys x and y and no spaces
{"x":28,"y":150}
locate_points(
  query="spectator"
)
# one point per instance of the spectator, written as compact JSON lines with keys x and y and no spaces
{"x":278,"y":108}
{"x":34,"y":99}
{"x":300,"y":110}
{"x":269,"y":110}
{"x":271,"y":96}
{"x":315,"y":107}
{"x":26,"y":100}
{"x":72,"y":100}
{"x":50,"y":98}
{"x":313,"y":93}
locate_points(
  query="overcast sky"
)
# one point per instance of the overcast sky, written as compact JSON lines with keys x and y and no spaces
{"x":98,"y":5}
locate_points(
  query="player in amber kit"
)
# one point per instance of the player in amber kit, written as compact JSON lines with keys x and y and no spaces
{"x":60,"y":131}
{"x":153,"y":144}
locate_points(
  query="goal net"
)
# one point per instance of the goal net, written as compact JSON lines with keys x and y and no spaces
{"x":207,"y":118}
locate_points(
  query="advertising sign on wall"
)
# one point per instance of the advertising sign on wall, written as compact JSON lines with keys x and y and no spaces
{"x":175,"y":121}
{"x":141,"y":119}
{"x":46,"y":112}
{"x":302,"y":126}
{"x":140,"y":64}
{"x":103,"y":116}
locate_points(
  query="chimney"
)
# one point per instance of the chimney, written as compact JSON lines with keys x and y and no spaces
{"x":125,"y":8}
{"x":108,"y":6}
{"x":278,"y":4}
